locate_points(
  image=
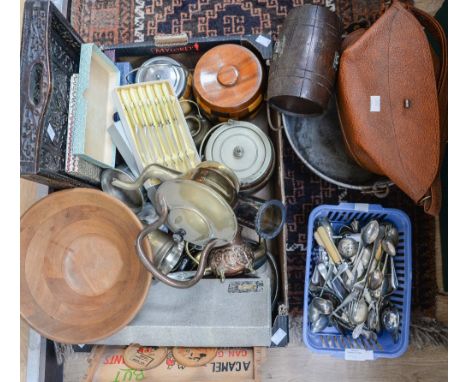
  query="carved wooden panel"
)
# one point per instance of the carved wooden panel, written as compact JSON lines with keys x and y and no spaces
{"x":50,"y":54}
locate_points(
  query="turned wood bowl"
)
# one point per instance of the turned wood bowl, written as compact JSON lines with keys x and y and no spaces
{"x":228,"y":82}
{"x":81,"y":279}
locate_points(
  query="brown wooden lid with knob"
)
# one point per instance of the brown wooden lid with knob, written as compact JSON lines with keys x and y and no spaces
{"x":228,"y":79}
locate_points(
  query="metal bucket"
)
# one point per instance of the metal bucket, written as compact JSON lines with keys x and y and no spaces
{"x":302,"y":72}
{"x":318,"y":142}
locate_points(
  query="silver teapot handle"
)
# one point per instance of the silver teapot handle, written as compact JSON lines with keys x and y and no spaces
{"x":163,"y":212}
{"x":152,"y":171}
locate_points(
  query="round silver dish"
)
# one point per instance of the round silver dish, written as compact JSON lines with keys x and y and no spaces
{"x":163,"y":68}
{"x":245,"y":149}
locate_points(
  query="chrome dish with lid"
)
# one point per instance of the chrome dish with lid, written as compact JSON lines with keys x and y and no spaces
{"x":164,"y":68}
{"x":245,"y":149}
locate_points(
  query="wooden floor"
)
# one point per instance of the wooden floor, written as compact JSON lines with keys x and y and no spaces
{"x":297,"y":364}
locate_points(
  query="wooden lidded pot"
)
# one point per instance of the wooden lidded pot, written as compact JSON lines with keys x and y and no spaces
{"x":227,"y":82}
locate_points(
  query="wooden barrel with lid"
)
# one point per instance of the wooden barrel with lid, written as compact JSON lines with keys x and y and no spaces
{"x":227,"y":82}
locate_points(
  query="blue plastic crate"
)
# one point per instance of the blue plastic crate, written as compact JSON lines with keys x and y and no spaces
{"x":330,"y":341}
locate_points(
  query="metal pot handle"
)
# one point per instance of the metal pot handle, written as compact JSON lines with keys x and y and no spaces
{"x":379,"y":190}
{"x":192,"y":103}
{"x":197,"y":120}
{"x":270,"y":123}
{"x":163,"y":212}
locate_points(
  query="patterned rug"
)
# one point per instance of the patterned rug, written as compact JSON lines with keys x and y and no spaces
{"x":109,"y":22}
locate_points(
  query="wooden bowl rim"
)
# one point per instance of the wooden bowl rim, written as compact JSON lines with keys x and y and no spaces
{"x":132,"y":312}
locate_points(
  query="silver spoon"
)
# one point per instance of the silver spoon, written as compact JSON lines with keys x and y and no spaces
{"x":325,"y":273}
{"x":376,"y":278}
{"x":378,"y":292}
{"x":359,"y":270}
{"x":389,"y":248}
{"x":347,"y":247}
{"x":323,"y":305}
{"x":359,"y":309}
{"x":391,"y":321}
{"x":367,"y":296}
{"x":355,"y":225}
{"x":358,"y":330}
{"x":314,"y":314}
{"x":378,"y":240}
{"x":392,"y":234}
{"x":366,"y":256}
{"x":372,"y":318}
{"x":359,"y":267}
{"x":320,"y":324}
{"x":315,"y":279}
{"x":358,"y":312}
{"x":369,"y":234}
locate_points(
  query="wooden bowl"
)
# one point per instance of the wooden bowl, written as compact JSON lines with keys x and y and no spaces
{"x":81,"y":279}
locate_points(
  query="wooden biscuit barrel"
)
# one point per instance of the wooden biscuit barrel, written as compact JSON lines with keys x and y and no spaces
{"x":227,"y":82}
{"x":305,"y":60}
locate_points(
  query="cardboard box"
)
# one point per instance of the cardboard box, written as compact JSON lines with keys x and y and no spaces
{"x":188,"y":51}
{"x":230,"y":365}
{"x":43,"y":153}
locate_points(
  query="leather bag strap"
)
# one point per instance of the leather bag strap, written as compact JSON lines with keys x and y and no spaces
{"x":432,"y":200}
{"x":436,"y":30}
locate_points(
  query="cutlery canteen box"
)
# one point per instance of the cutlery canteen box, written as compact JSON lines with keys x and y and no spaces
{"x":52,"y":52}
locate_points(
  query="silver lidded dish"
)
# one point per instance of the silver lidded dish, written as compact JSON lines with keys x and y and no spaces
{"x":165,"y":68}
{"x":245,"y":149}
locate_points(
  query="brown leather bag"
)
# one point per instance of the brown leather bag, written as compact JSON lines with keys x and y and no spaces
{"x":392,"y":101}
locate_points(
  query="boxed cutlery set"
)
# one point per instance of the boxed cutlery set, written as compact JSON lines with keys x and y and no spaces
{"x":165,"y":222}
